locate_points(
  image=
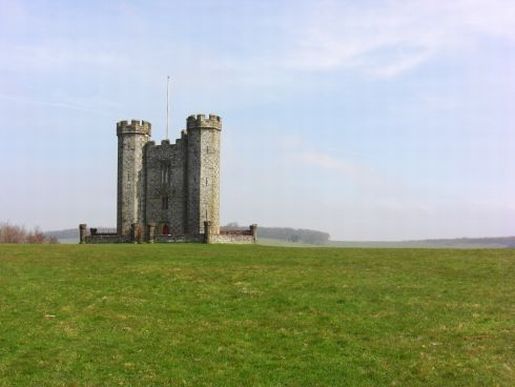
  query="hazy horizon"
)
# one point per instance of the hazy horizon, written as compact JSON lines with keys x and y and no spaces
{"x":379,"y":120}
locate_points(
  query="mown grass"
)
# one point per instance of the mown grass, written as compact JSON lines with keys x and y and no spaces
{"x":240,"y":315}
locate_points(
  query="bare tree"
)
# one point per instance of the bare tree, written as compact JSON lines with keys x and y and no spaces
{"x":17,"y":234}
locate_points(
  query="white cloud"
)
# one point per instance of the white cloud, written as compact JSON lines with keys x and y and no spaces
{"x":379,"y":38}
{"x":393,"y":37}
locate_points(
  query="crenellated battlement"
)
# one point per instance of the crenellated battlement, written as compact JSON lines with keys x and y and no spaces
{"x":201,"y":121}
{"x":133,"y":127}
{"x":164,"y":146}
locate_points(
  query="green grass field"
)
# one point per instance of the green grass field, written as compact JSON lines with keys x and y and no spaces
{"x":239,"y":315}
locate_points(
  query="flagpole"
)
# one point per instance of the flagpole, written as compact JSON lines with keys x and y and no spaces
{"x":167,"y":104}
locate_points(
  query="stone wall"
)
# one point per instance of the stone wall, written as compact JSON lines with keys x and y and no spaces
{"x":105,"y":238}
{"x":98,"y":237}
{"x":240,"y":236}
{"x":138,"y":235}
{"x":233,"y":238}
{"x":166,"y":196}
{"x":197,"y":238}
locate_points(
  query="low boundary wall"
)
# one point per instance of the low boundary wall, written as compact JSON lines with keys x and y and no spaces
{"x":137,"y":236}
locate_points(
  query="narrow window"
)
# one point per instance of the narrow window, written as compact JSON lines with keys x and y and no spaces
{"x":164,"y":202}
{"x":165,"y":173}
{"x":206,"y":181}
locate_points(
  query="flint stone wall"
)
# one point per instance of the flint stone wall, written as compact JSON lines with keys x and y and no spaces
{"x":232,"y":238}
{"x":165,"y":178}
{"x":105,"y":238}
{"x":179,"y":238}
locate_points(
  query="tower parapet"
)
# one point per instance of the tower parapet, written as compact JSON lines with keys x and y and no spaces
{"x":133,"y":127}
{"x":201,"y":121}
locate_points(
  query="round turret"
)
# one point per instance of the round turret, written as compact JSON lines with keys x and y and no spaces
{"x":132,"y":137}
{"x":133,"y":127}
{"x":203,"y":172}
{"x":200,"y":121}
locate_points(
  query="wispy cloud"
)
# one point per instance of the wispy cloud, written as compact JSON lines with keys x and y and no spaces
{"x":363,"y":176}
{"x":382,"y":39}
{"x":388,"y":38}
{"x":84,"y":107}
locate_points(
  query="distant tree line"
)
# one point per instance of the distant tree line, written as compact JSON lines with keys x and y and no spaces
{"x":287,"y":234}
{"x":69,"y":233}
{"x":10,"y":233}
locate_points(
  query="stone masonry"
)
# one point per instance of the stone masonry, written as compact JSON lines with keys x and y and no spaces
{"x":132,"y":137}
{"x":169,"y":192}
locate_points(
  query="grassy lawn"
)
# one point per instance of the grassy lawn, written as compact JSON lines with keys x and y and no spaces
{"x":239,"y":315}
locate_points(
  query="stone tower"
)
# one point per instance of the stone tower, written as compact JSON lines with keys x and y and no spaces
{"x":132,"y":137}
{"x":169,"y":192}
{"x":203,"y":172}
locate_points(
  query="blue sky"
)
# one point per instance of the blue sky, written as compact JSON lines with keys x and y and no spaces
{"x":380,"y":120}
